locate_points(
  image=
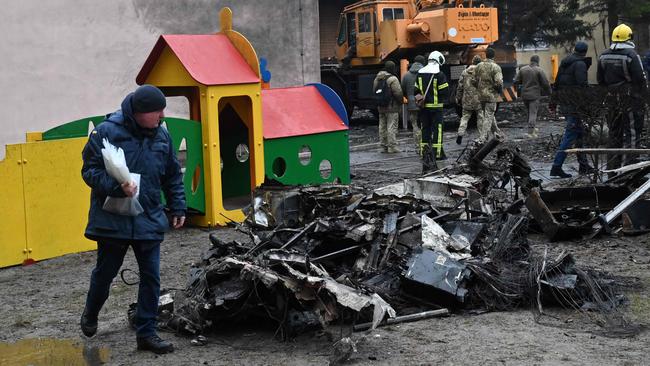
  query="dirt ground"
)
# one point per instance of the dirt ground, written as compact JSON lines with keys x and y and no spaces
{"x":45,"y":301}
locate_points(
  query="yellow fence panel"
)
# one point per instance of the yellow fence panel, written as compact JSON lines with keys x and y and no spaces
{"x":56,"y":198}
{"x":13,"y":241}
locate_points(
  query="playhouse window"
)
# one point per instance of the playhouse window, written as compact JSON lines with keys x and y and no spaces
{"x":325,"y":169}
{"x":304,"y":155}
{"x":242,"y":153}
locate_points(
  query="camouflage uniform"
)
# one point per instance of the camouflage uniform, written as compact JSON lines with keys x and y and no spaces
{"x":467,"y":97}
{"x":489,"y":82}
{"x":389,"y":115}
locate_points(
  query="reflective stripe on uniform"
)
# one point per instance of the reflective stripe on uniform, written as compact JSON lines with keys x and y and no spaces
{"x":435,"y":89}
{"x":438,"y":144}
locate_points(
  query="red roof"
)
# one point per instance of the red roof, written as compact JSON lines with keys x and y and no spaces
{"x":209,"y":58}
{"x":297,"y":111}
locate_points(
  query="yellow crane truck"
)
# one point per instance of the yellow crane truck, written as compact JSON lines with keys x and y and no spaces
{"x":371,"y":32}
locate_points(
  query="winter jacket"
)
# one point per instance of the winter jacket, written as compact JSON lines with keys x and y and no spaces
{"x":533,"y":82}
{"x":620,"y":65}
{"x":438,"y":92}
{"x":395,"y":88}
{"x":466,"y":92}
{"x":408,"y":83}
{"x":489,"y":81}
{"x":149,"y":153}
{"x":571,"y":77}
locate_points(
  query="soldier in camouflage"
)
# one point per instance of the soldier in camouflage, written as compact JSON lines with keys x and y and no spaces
{"x":389,"y":115}
{"x":489,"y":82}
{"x":467,"y":97}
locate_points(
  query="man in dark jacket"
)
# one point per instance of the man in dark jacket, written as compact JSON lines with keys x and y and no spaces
{"x":534,"y":85}
{"x":149,"y":152}
{"x":408,"y":87}
{"x":571,"y":80}
{"x":620,"y":70}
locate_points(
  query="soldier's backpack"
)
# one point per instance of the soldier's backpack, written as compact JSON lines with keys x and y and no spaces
{"x":383,"y":94}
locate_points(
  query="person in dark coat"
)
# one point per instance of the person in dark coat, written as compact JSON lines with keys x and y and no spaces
{"x":621,"y":72}
{"x":149,"y":152}
{"x":408,"y":88}
{"x":571,"y":79}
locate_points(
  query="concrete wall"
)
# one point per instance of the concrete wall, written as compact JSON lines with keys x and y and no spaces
{"x":67,"y":59}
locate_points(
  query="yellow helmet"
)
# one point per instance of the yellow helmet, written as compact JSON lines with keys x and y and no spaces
{"x":622,"y":33}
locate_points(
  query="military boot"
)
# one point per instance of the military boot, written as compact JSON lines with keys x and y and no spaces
{"x":556,"y":171}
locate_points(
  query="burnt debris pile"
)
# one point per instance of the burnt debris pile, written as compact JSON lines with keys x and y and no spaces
{"x":451,"y":241}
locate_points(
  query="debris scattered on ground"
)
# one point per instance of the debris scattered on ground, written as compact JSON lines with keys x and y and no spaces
{"x":453,"y":240}
{"x":456,"y":239}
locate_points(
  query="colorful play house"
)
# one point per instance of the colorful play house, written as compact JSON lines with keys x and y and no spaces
{"x":238,"y":136}
{"x":305,"y":138}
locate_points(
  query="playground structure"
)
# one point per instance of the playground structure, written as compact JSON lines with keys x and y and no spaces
{"x":240,"y":133}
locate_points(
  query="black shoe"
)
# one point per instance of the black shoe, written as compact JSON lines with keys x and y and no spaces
{"x":459,"y":140}
{"x":557,"y":171}
{"x":88,"y":324}
{"x":155,"y":344}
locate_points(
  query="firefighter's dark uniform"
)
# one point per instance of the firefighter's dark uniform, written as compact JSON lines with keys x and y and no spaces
{"x":431,"y":115}
{"x":620,"y":70}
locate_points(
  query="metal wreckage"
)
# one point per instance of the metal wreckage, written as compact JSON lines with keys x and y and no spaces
{"x":452,"y":240}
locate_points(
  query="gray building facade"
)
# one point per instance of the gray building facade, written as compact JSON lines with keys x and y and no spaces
{"x":68,"y":59}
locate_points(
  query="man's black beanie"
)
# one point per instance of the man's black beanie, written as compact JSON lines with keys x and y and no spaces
{"x":148,"y":98}
{"x":581,"y":48}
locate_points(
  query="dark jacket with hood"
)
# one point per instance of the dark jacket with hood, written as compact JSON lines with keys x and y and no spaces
{"x":148,"y":152}
{"x":571,"y":77}
{"x":408,"y":85}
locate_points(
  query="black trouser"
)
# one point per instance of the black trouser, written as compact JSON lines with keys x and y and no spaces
{"x":431,"y":122}
{"x":618,"y":121}
{"x":638,"y":125}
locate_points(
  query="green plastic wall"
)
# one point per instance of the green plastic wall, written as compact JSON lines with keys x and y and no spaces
{"x":331,"y":146}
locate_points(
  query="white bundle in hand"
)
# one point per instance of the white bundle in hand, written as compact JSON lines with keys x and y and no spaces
{"x":116,"y":167}
{"x":115,"y":162}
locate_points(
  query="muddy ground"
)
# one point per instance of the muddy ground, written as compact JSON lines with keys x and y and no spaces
{"x":45,"y":300}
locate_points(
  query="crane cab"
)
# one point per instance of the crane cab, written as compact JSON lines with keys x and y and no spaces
{"x":359,"y":40}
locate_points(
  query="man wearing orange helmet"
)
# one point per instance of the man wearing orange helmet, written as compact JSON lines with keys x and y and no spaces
{"x":621,"y":71}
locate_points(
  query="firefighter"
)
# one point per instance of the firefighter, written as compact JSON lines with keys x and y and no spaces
{"x":489,"y":82}
{"x":621,"y":71}
{"x":433,"y":89}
